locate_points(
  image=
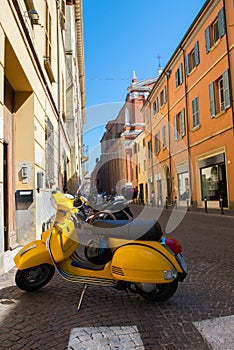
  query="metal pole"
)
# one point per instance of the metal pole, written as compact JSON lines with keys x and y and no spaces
{"x":205,"y":203}
{"x":221,"y":205}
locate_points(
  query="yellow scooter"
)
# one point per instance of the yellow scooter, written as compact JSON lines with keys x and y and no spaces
{"x":130,"y":255}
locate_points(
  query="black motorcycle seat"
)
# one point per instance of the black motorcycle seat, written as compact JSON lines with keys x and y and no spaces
{"x":132,"y":230}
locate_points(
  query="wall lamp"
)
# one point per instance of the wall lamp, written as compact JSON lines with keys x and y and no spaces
{"x":33,"y":15}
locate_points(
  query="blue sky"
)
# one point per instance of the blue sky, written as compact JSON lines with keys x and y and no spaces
{"x":122,"y":36}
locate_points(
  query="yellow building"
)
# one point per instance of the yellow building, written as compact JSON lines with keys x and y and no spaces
{"x":40,"y":43}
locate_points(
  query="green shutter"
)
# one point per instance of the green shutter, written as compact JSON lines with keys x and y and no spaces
{"x":221,"y":22}
{"x":182,"y":123}
{"x":175,"y":128}
{"x":207,"y":35}
{"x":187,"y":67}
{"x":196,"y":53}
{"x":212,"y":100}
{"x":226,"y":90}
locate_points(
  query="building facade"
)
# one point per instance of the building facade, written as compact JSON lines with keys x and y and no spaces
{"x":189,"y":115}
{"x":42,"y":99}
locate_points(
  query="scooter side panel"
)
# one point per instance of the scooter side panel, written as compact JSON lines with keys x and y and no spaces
{"x":32,"y":254}
{"x":141,"y":262}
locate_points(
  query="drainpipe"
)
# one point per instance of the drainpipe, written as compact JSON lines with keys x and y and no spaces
{"x":187,"y":126}
{"x":229,"y":64}
{"x":168,"y":73}
{"x":59,"y":95}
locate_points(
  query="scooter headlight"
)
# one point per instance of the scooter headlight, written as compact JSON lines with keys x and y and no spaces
{"x":170,"y":274}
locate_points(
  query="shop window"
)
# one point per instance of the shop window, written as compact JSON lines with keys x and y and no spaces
{"x":183,"y":186}
{"x":219,"y":94}
{"x":192,"y":59}
{"x":179,"y":125}
{"x":213,"y":182}
{"x":195,"y":112}
{"x":215,"y":31}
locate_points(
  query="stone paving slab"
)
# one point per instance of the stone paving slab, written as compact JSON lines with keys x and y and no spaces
{"x":219,"y":332}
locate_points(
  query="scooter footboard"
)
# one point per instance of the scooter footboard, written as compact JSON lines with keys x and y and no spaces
{"x":32,"y":254}
{"x":141,"y":262}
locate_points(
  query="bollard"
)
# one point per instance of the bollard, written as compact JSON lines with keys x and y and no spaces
{"x":221,"y":205}
{"x":175,"y":203}
{"x":187,"y":202}
{"x":166,"y":205}
{"x":205,"y":203}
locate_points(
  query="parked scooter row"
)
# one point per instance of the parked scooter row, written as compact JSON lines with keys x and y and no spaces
{"x":127,"y":254}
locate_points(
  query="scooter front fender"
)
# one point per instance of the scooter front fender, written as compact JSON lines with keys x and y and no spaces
{"x":32,"y":254}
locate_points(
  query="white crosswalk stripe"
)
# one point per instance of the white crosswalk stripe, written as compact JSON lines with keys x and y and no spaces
{"x":218,"y":332}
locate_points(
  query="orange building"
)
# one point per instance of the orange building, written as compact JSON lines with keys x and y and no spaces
{"x":189,"y":115}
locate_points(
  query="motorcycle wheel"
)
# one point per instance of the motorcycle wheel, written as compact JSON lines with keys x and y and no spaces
{"x":35,"y":277}
{"x":162,"y":292}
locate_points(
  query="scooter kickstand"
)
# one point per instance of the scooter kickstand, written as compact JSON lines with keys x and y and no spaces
{"x":82,"y":296}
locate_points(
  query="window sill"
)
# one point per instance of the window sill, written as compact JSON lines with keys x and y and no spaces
{"x":196,"y":128}
{"x":214,"y":45}
{"x":219,"y":114}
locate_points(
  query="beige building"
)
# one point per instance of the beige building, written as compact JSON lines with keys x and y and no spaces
{"x":42,"y":99}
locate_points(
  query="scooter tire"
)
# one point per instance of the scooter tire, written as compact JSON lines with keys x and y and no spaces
{"x":162,"y":292}
{"x":34,"y":277}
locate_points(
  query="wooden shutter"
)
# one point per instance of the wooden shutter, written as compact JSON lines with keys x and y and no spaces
{"x":208,"y":43}
{"x":226,"y":90}
{"x":221,"y":22}
{"x":187,"y":66}
{"x":196,"y":53}
{"x":181,"y":74}
{"x":182,"y":123}
{"x":165,"y":94}
{"x":175,"y":128}
{"x":212,"y":100}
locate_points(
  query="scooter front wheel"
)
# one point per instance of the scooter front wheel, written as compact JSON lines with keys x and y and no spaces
{"x":158,"y":292}
{"x":35,"y":277}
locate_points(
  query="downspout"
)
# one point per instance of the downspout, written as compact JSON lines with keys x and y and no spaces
{"x":168,"y":73}
{"x":229,"y":64}
{"x":187,"y":128}
{"x":59,"y":95}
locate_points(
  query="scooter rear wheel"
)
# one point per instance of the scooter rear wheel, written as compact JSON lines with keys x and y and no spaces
{"x":162,"y":292}
{"x":35,"y":277}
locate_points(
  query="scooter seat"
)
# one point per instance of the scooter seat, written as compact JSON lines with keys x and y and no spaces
{"x":132,"y":230}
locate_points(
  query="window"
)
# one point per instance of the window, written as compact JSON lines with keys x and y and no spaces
{"x":179,"y":125}
{"x":179,"y":76}
{"x":163,"y":97}
{"x":49,"y":153}
{"x":183,"y":186}
{"x":219,"y":93}
{"x":48,"y":33}
{"x":157,"y":143}
{"x":155,"y":106}
{"x":192,"y":59}
{"x":63,"y":13}
{"x":195,"y":112}
{"x":164,"y":140}
{"x":150,"y":149}
{"x":215,"y":31}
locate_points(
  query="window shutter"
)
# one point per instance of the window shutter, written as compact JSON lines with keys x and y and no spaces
{"x":226,"y":90}
{"x":176,"y":78}
{"x":221,"y":22}
{"x":165,"y":94}
{"x":175,"y":128}
{"x":187,"y":68}
{"x":164,"y":136}
{"x":157,"y":108}
{"x":182,"y":123}
{"x":196,"y":53}
{"x":158,"y":141}
{"x":207,"y":35}
{"x":181,"y":74}
{"x":212,"y":100}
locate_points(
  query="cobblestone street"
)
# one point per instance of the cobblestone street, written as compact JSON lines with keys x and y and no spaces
{"x":110,"y":319}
